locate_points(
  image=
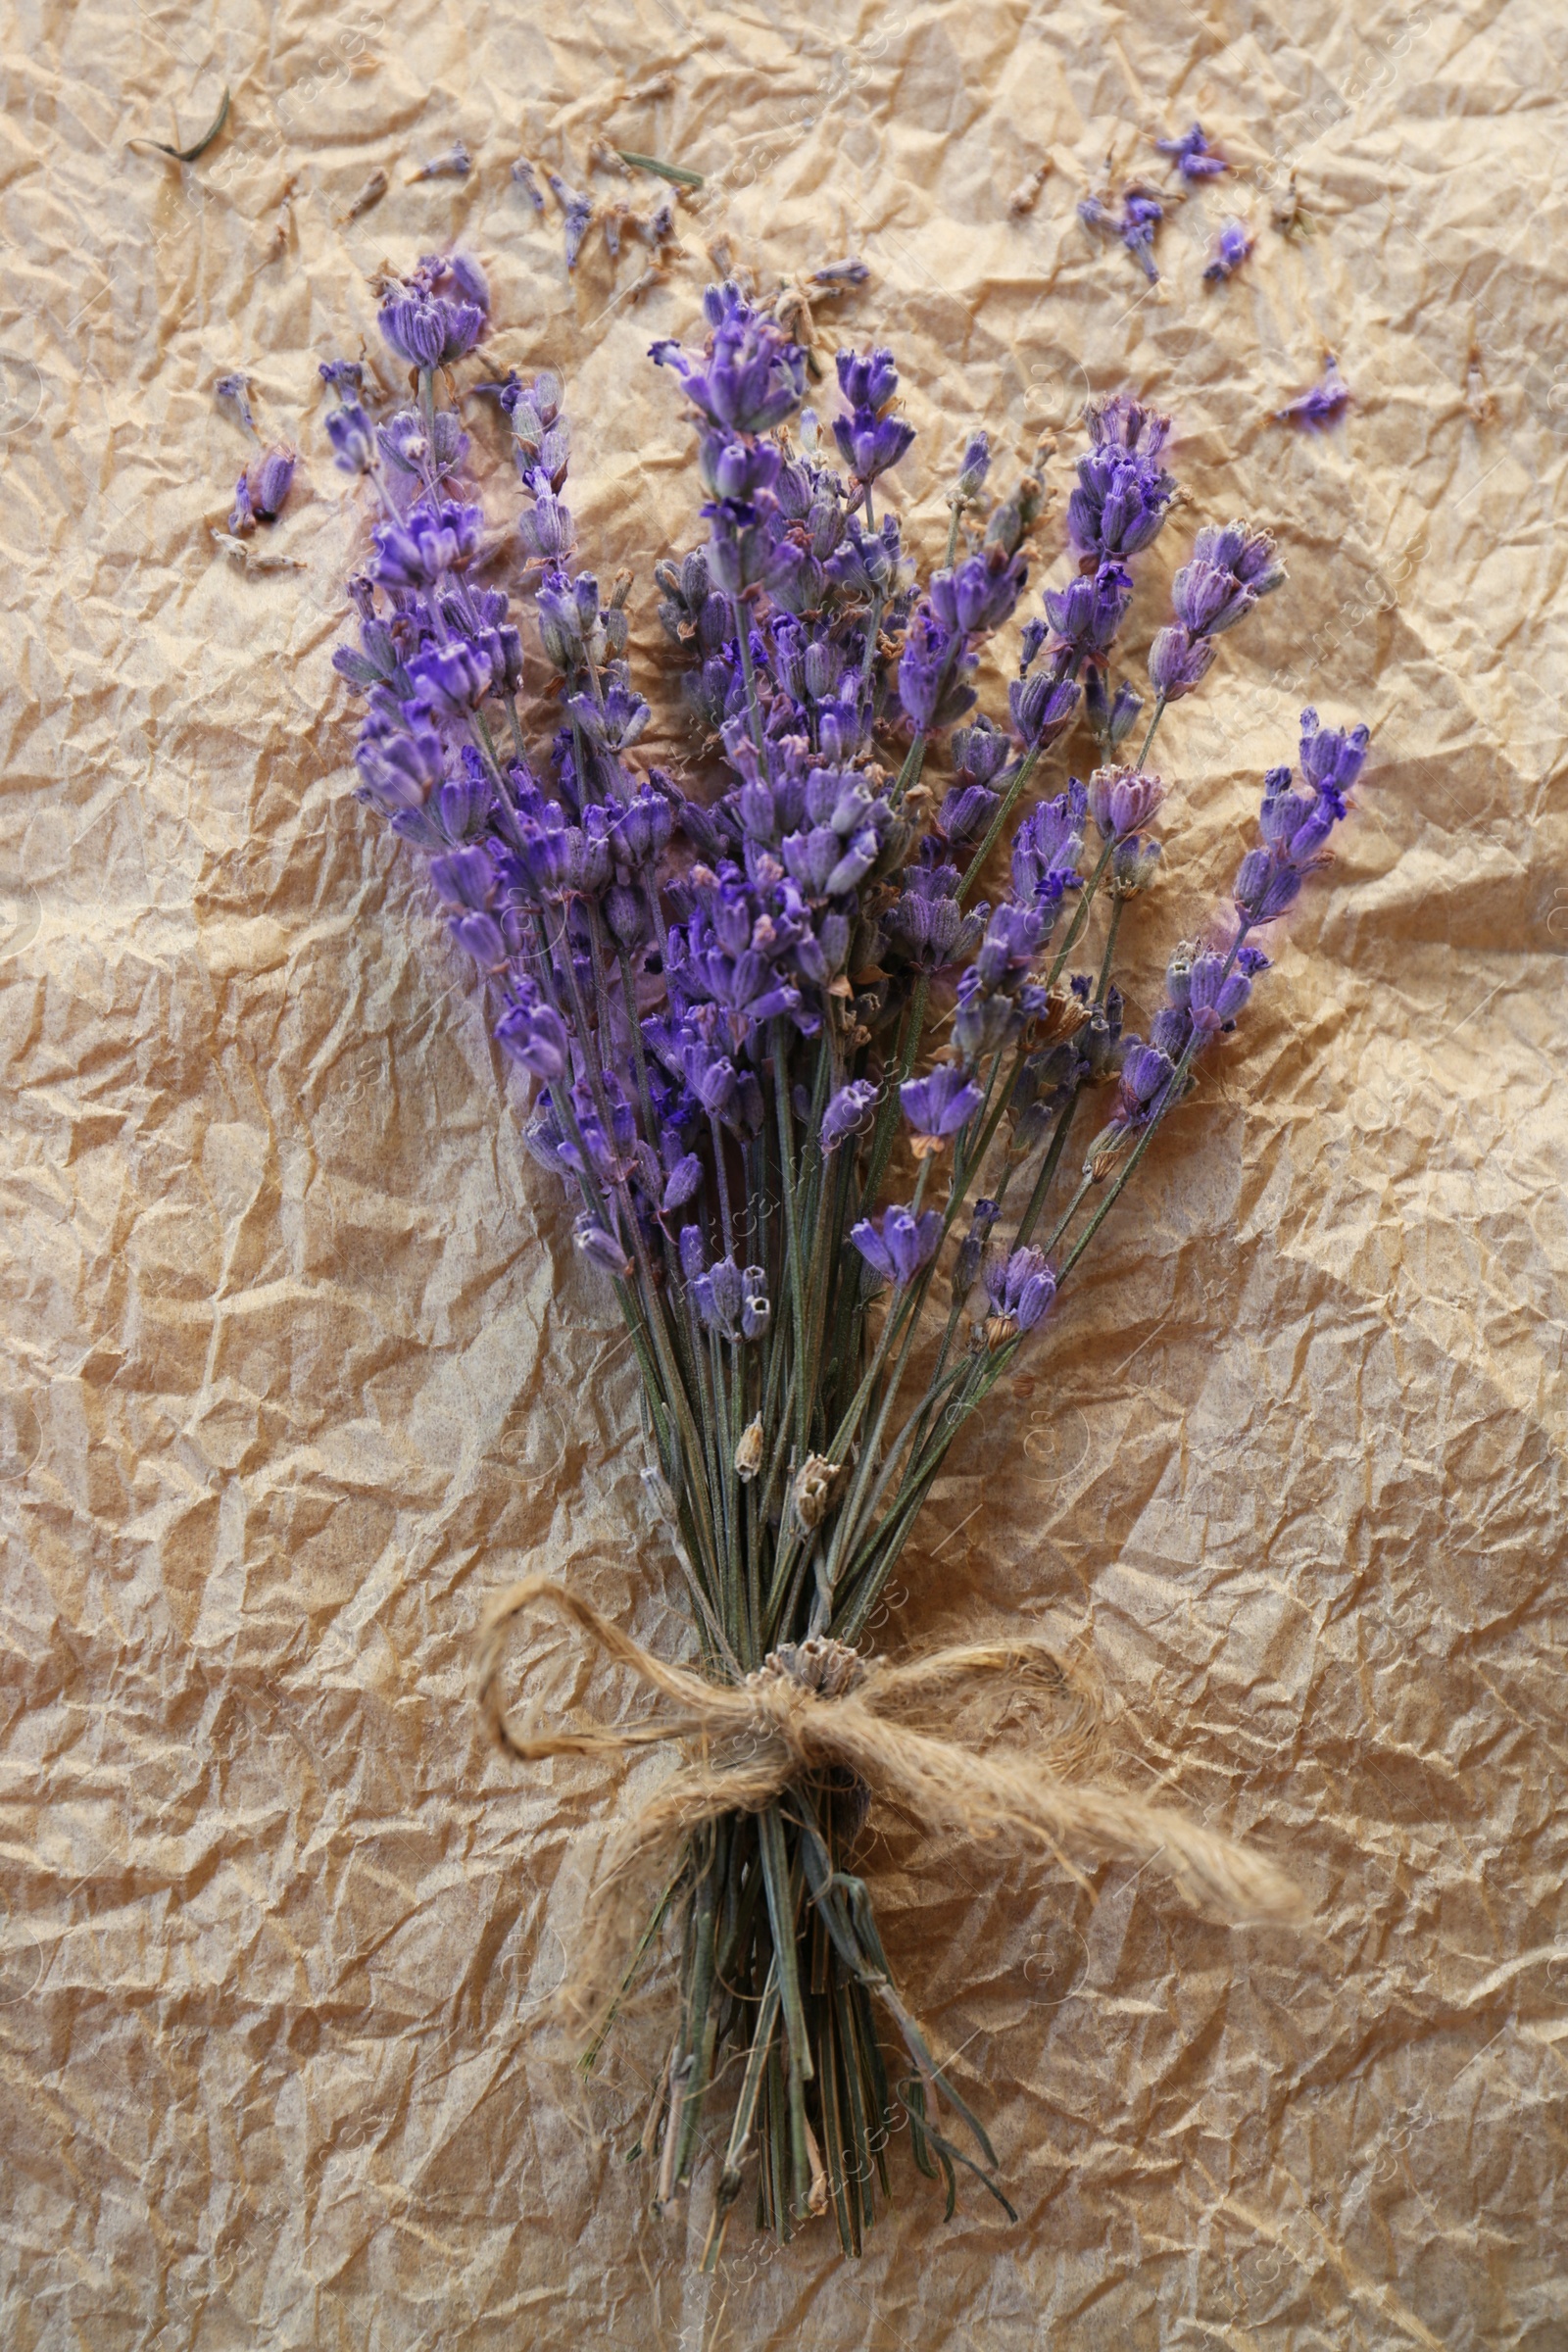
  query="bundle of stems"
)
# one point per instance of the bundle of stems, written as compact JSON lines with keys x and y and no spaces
{"x":726,"y":1005}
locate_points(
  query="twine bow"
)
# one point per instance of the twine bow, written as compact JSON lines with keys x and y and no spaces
{"x":818,"y":1704}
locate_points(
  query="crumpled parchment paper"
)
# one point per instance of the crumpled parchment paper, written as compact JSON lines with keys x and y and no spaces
{"x":298,"y":1368}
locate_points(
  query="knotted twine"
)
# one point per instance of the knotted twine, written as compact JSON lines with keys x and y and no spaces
{"x":819,"y":1704}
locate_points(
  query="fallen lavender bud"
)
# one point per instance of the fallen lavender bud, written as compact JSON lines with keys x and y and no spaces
{"x":270,"y":483}
{"x":578,"y":211}
{"x":1231,"y":249}
{"x":235,"y":389}
{"x":1193,"y":156}
{"x":522,"y":176}
{"x":1321,"y":403}
{"x":456,"y":164}
{"x":371,"y":193}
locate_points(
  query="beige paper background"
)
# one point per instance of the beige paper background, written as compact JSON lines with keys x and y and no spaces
{"x":297,"y":1369}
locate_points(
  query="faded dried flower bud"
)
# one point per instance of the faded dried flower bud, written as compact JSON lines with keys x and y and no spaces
{"x":812,"y":1491}
{"x":749,"y":1453}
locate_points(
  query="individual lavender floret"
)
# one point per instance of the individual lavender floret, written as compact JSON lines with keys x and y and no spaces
{"x":1134,"y":864}
{"x":270,"y":483}
{"x":1331,"y":759}
{"x":972,"y":1248}
{"x":1042,"y":708}
{"x":522,"y":176}
{"x":1110,"y":716}
{"x":1322,"y":402}
{"x":1193,"y":156}
{"x":235,"y":389}
{"x":1231,"y":249}
{"x":578,"y":209}
{"x":261,"y":491}
{"x":602,"y":1247}
{"x":850,"y":272}
{"x":1209,"y":990}
{"x":1178,"y":662}
{"x":904,"y":1244}
{"x":1020,"y":1289}
{"x":937,"y":1105}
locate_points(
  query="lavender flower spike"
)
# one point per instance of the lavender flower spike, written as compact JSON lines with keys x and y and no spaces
{"x":753,"y":375}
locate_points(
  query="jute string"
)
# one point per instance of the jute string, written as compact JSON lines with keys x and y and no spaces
{"x":821,"y":1704}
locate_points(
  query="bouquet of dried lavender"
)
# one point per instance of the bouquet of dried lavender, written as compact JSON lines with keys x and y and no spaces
{"x":724,"y":1009}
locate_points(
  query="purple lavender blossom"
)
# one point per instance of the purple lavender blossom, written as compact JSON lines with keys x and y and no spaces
{"x":242,"y":514}
{"x":1178,"y":661}
{"x":1042,"y":708}
{"x":847,"y":1111}
{"x":1231,"y":249}
{"x":1124,"y":494}
{"x":1331,"y":761}
{"x":1321,"y":404}
{"x":533,"y":1034}
{"x":1086,"y":616}
{"x":904,"y":1245}
{"x":1295,"y":827}
{"x":522,"y":176}
{"x":1020,"y":1288}
{"x":353,"y":438}
{"x":428,"y":332}
{"x":456,"y":164}
{"x":578,"y":211}
{"x":1122,"y":799}
{"x":751,"y":375}
{"x":870,"y":439}
{"x":1194,"y":155}
{"x":938,"y":1104}
{"x":1141,"y":216}
{"x":235,"y":390}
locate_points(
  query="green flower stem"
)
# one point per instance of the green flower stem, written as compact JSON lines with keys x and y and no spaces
{"x":1159,"y":713}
